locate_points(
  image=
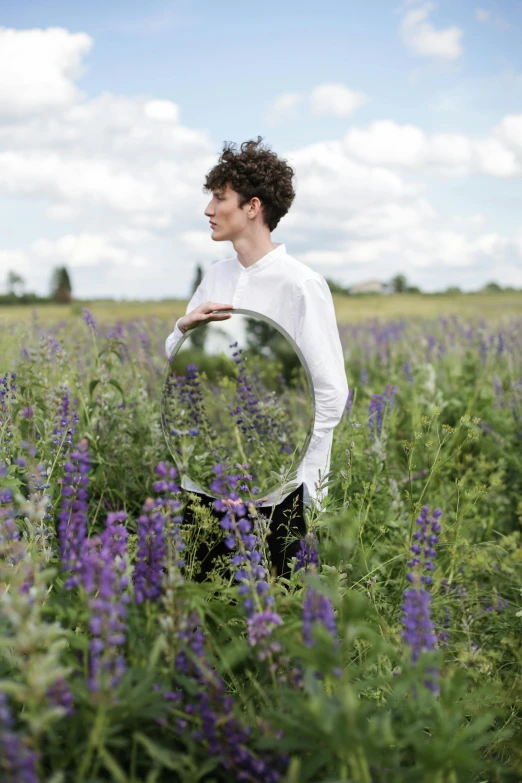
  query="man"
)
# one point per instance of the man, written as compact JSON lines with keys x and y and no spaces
{"x":251,"y":191}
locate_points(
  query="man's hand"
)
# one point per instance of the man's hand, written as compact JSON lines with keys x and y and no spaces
{"x":203,"y":314}
{"x":230,"y":502}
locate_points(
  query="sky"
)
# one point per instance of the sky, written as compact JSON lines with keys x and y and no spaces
{"x":402,"y":122}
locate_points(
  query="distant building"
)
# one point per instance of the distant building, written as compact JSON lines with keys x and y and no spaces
{"x":371,"y":287}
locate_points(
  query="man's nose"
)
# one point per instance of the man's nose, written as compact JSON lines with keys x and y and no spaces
{"x":209,"y":211}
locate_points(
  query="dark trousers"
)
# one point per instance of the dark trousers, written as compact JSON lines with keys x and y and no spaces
{"x":281,"y":528}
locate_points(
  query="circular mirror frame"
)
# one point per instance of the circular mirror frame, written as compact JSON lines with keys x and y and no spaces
{"x":308,"y":375}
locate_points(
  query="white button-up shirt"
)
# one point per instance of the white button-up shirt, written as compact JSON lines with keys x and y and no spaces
{"x":298,"y":299}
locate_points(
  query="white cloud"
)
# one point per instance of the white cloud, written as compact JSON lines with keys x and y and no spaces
{"x":80,"y":250}
{"x":16,"y":260}
{"x":422,"y":38}
{"x":123,"y":177}
{"x":495,"y":159}
{"x":38,"y":68}
{"x":161,"y":110}
{"x":372,"y":221}
{"x":486,"y":16}
{"x":335,"y":99}
{"x":283,"y":108}
{"x":329,"y":98}
{"x":387,"y":143}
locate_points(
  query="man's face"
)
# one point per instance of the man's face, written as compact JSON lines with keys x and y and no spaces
{"x":227,"y":219}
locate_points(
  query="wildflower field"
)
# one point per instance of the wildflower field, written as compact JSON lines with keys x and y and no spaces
{"x":392,"y":652}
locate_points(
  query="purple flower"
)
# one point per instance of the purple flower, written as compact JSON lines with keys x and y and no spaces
{"x":12,"y":549}
{"x":317,"y":609}
{"x":245,"y":540}
{"x":105,"y":582}
{"x":89,"y":320}
{"x":152,"y":552}
{"x":407,"y":372}
{"x":72,"y":519}
{"x":225,"y":737}
{"x":418,"y":626}
{"x":253,"y":418}
{"x":64,"y":426}
{"x":380,"y":406}
{"x":308,"y":556}
{"x":349,"y":403}
{"x":18,"y":762}
{"x":261,"y":624}
{"x":158,"y":526}
{"x":59,"y":695}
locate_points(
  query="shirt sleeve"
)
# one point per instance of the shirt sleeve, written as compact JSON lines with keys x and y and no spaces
{"x":199,"y":297}
{"x":318,"y":338}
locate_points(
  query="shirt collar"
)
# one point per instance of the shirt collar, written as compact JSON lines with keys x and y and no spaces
{"x":264,"y":261}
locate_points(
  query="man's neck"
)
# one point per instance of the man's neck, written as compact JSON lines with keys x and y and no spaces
{"x":251,"y":249}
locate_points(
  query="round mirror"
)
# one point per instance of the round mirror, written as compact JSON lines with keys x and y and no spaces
{"x":238,"y":393}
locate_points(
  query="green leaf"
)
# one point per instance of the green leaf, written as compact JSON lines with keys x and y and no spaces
{"x":117,"y":386}
{"x":160,"y":754}
{"x":92,"y":385}
{"x":112,"y":766}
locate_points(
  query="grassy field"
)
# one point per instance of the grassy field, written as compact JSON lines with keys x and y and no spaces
{"x":392,"y":651}
{"x":348,"y":309}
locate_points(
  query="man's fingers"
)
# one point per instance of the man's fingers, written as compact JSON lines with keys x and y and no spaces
{"x":209,"y":306}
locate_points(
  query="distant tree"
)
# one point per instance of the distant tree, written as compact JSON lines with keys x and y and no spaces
{"x":413,"y":289}
{"x":336,"y":288}
{"x":198,"y":336}
{"x":14,"y":282}
{"x":399,"y":284}
{"x":198,"y":277}
{"x":492,"y":288}
{"x":61,"y":289}
{"x":263,"y":340}
{"x":453,"y":289}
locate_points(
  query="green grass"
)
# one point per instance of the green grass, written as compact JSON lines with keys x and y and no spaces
{"x":348,"y":309}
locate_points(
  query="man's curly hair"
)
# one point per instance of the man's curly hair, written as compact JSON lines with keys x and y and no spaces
{"x":255,"y":171}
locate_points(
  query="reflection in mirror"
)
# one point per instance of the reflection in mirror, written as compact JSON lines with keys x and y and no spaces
{"x":237,"y":392}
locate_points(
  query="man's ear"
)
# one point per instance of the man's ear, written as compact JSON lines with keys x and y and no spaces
{"x":255,"y":207}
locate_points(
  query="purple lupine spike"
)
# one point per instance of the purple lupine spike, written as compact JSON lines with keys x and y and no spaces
{"x":18,"y":761}
{"x":349,"y":403}
{"x":152,"y":552}
{"x":317,"y":609}
{"x":11,"y":548}
{"x":159,"y":524}
{"x":64,"y":426}
{"x":59,"y":695}
{"x":72,"y":518}
{"x":308,"y":556}
{"x":168,"y":492}
{"x":104,"y":580}
{"x":375,"y":415}
{"x":89,"y":320}
{"x":380,"y":406}
{"x":116,"y":333}
{"x":254,"y":422}
{"x":250,"y":571}
{"x":220,"y":729}
{"x":418,"y":627}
